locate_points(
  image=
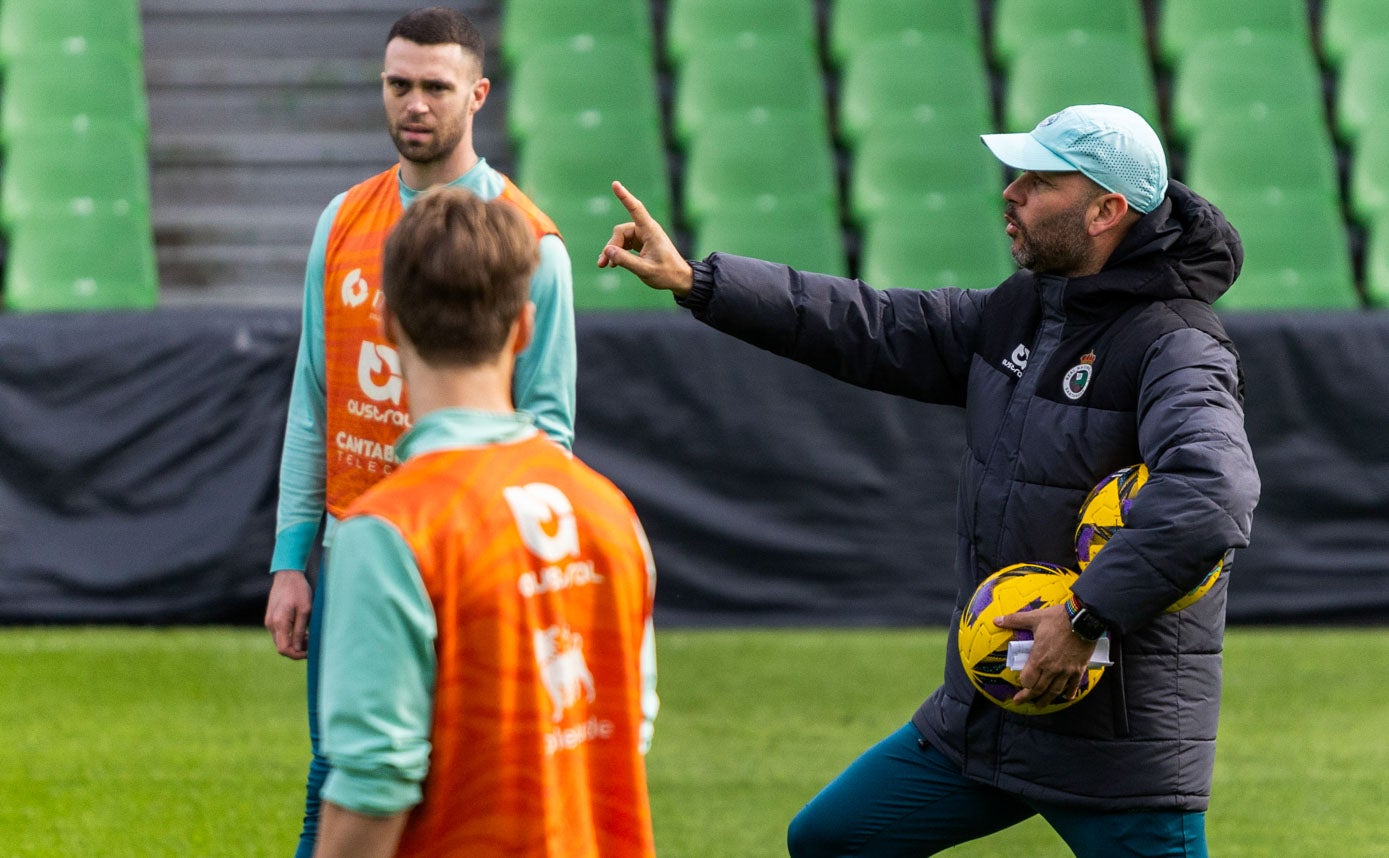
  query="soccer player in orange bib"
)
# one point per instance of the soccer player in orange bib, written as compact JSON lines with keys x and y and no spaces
{"x":488,"y":677}
{"x":349,"y":403}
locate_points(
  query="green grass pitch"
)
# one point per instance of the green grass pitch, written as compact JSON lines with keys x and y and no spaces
{"x":191,"y":742}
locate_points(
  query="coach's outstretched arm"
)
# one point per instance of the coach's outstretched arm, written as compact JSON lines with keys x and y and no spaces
{"x":656,"y":260}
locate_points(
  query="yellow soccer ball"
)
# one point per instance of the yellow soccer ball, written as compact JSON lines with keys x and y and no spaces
{"x":1195,"y":593}
{"x":1105,"y":510}
{"x":984,"y":646}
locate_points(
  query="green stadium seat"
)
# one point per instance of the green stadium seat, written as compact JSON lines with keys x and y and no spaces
{"x":586,"y":226}
{"x":692,"y":25}
{"x":581,"y":81}
{"x":1296,"y":255}
{"x":1020,"y":23}
{"x":898,"y":170}
{"x":1232,"y":158}
{"x":747,"y":77}
{"x":1362,"y":92}
{"x":569,"y":172}
{"x":937,"y":82}
{"x":1345,"y":23}
{"x":960,"y":243}
{"x":73,"y":92}
{"x":1045,"y":77}
{"x":1368,"y":191}
{"x":85,"y":262}
{"x":856,"y":24}
{"x":576,"y":166}
{"x":104,"y":171}
{"x":1184,"y":24}
{"x":1263,"y":75}
{"x":69,"y":27}
{"x":784,"y":162}
{"x":807,"y":238}
{"x":528,"y":23}
{"x":1377,"y":264}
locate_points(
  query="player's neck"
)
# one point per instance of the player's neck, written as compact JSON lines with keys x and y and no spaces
{"x":423,"y":176}
{"x":478,"y":388}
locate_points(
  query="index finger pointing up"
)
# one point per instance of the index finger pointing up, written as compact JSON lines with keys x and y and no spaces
{"x":634,"y":206}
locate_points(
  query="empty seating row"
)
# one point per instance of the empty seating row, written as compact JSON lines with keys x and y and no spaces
{"x":924,"y":85}
{"x":529,"y":24}
{"x":913,"y":93}
{"x":1362,"y":88}
{"x":89,"y":262}
{"x":856,"y":25}
{"x":584,"y":111}
{"x":739,"y":97}
{"x":1347,"y":23}
{"x":569,"y":176}
{"x":74,"y":199}
{"x":1185,"y":24}
{"x":749,"y":113}
{"x":70,"y":27}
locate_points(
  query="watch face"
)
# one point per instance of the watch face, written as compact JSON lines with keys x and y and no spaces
{"x":1087,"y":625}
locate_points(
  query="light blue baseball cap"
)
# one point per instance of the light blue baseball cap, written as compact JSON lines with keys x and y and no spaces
{"x":1112,"y":145}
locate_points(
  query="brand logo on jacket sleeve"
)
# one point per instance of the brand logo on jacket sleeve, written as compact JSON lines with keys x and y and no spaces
{"x":1077,"y":379}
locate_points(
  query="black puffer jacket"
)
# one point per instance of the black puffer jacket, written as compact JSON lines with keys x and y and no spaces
{"x":1163,"y":388}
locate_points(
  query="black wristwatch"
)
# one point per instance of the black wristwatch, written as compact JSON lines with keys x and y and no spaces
{"x":1084,"y":622}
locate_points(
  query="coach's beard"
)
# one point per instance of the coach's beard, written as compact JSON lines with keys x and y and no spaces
{"x":1053,"y":245}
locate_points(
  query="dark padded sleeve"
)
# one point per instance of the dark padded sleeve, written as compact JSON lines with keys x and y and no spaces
{"x":902,"y":341}
{"x":1203,"y":485}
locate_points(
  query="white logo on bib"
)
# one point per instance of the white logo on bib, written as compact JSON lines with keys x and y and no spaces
{"x":374,"y":360}
{"x":559,"y":653}
{"x":546,"y":520}
{"x":354,"y":288}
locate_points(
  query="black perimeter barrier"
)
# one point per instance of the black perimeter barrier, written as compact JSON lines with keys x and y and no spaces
{"x":139,"y":456}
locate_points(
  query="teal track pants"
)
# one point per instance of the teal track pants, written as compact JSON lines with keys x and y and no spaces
{"x":318,"y":766}
{"x":904,"y":798}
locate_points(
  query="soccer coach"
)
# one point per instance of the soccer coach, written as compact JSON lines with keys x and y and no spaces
{"x":1118,"y":271}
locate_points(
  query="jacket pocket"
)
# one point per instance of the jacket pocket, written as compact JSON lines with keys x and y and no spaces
{"x":1118,"y":695}
{"x":1101,"y":714}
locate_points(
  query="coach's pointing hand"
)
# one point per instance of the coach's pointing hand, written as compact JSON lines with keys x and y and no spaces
{"x":656,"y":261}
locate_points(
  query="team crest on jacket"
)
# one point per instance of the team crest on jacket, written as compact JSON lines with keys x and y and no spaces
{"x":1077,"y":380}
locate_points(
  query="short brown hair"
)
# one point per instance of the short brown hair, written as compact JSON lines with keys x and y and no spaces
{"x":456,"y":275}
{"x":438,"y":25}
